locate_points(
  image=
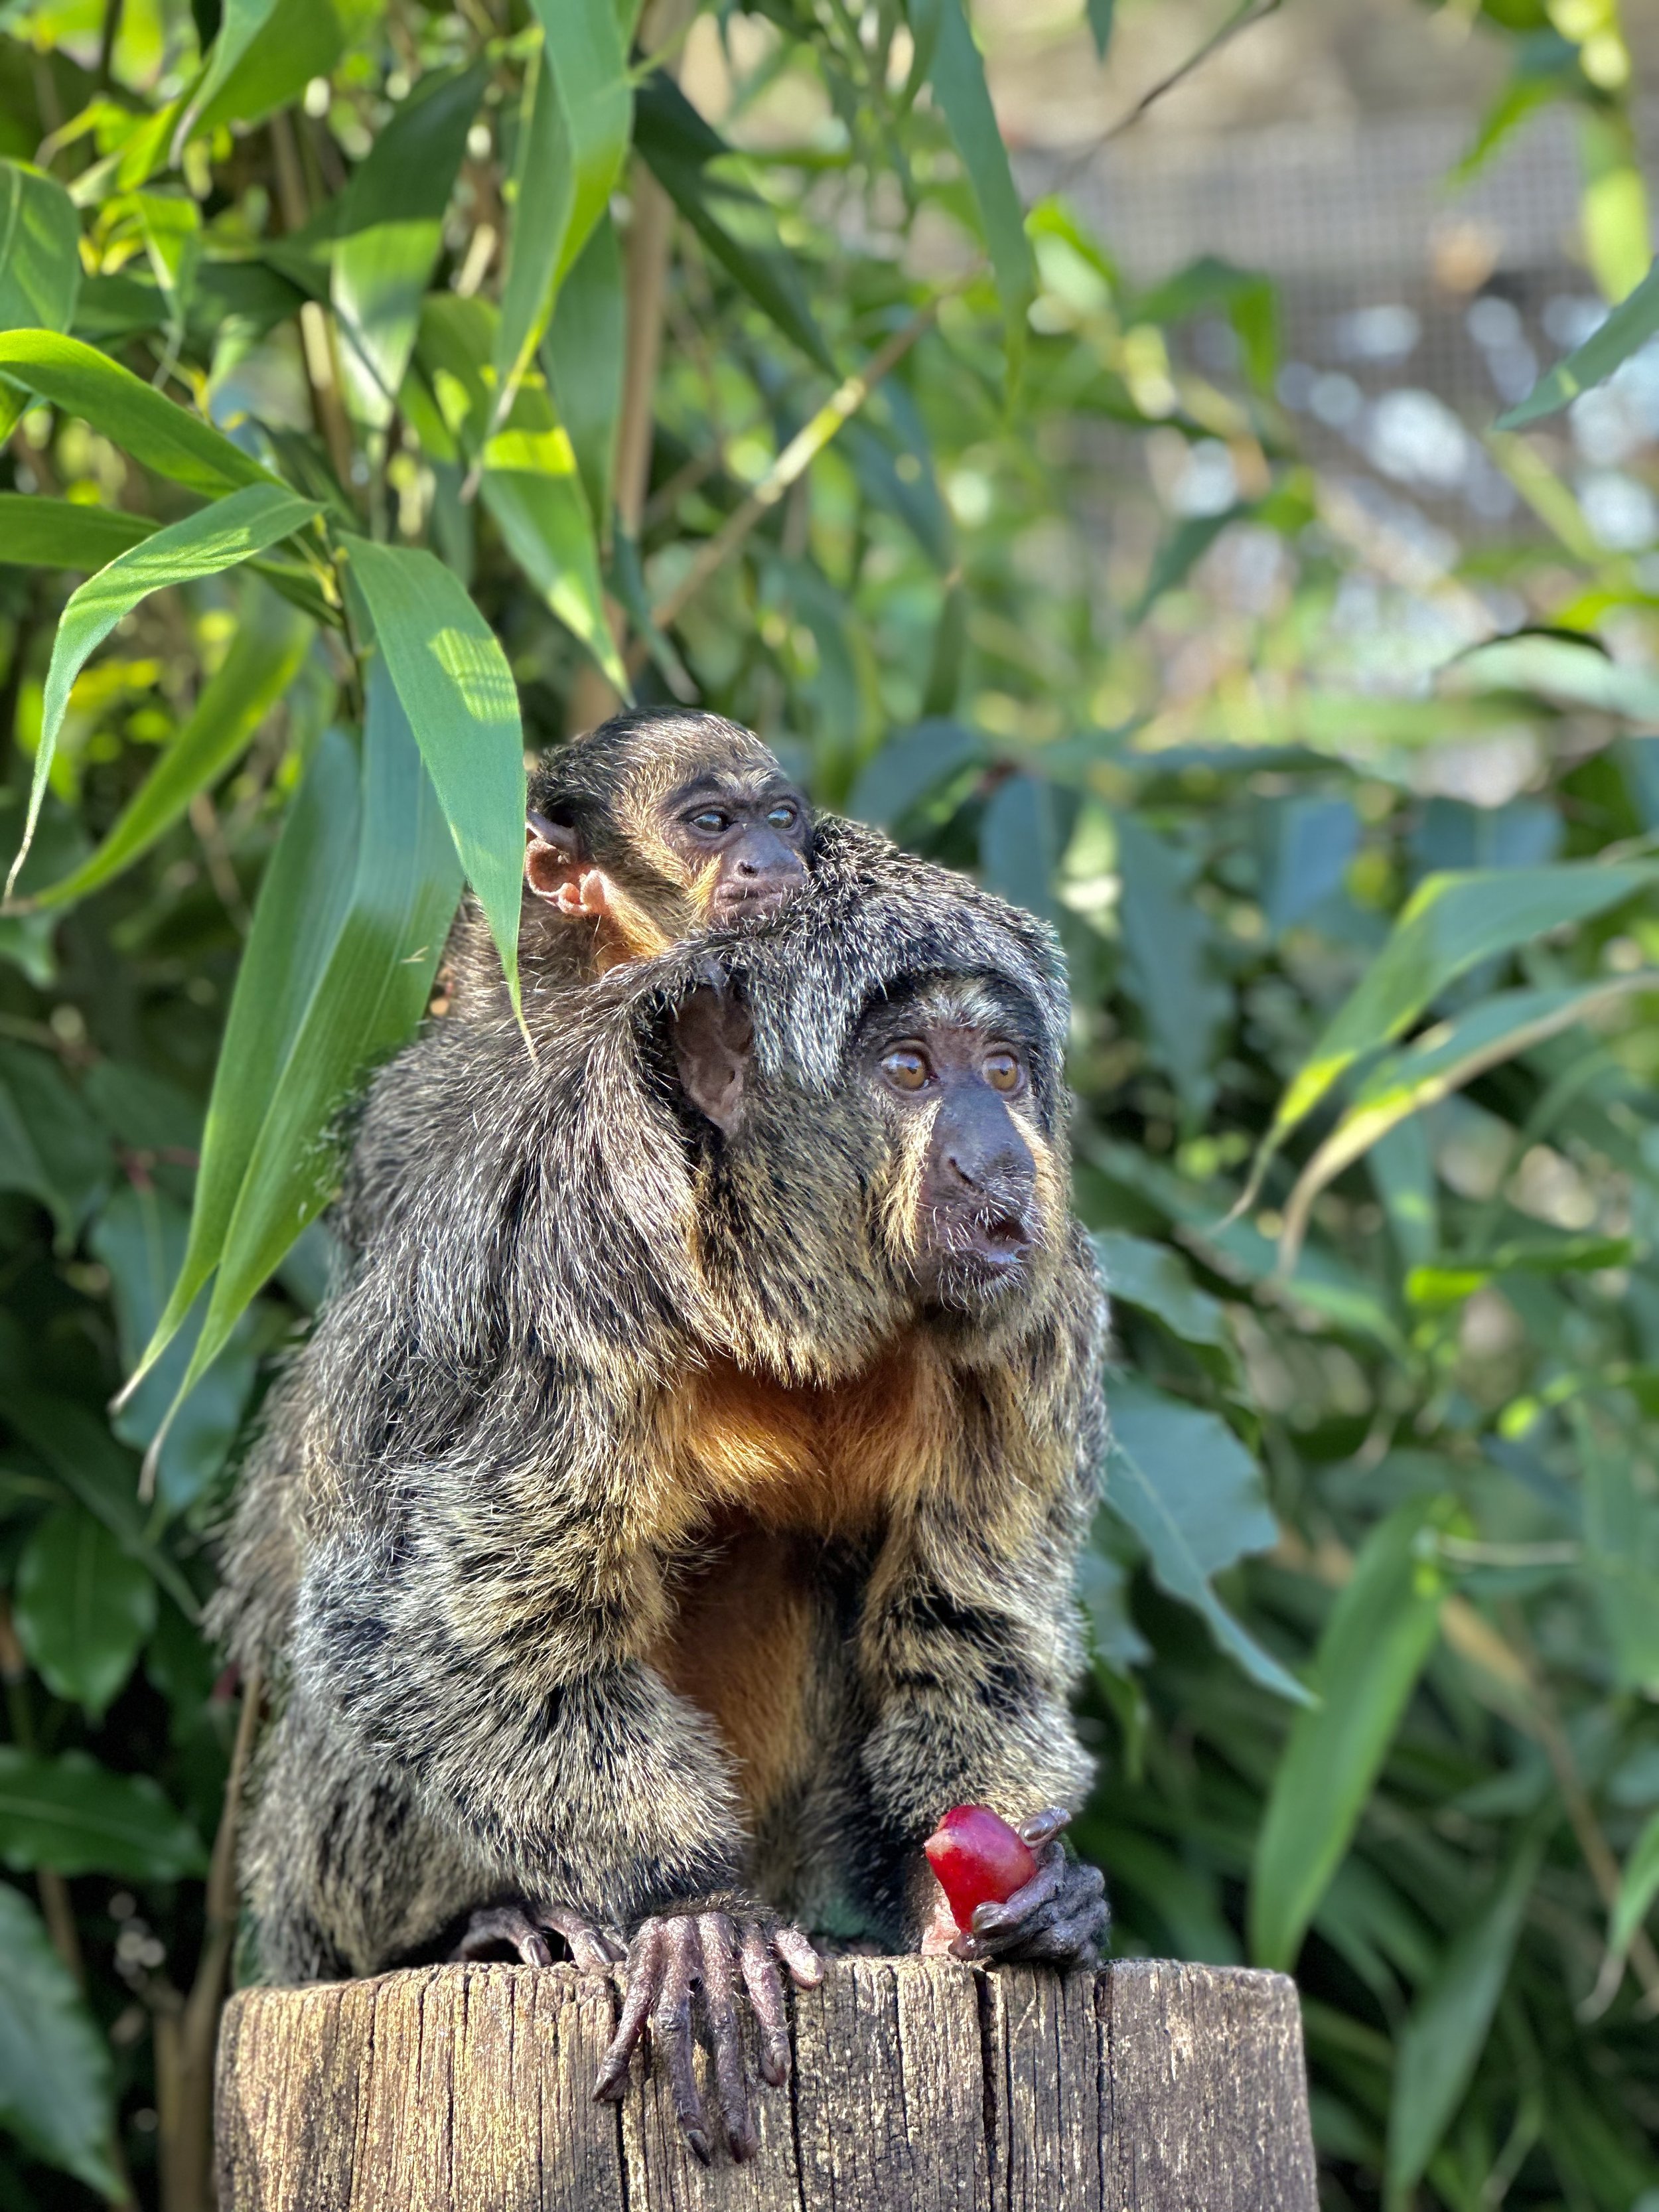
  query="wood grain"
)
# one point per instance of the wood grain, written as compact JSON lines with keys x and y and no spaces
{"x":920,"y":2086}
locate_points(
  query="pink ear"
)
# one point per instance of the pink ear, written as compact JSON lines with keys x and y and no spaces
{"x":553,"y":869}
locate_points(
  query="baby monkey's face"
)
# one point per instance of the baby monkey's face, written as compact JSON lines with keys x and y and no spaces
{"x":741,"y":835}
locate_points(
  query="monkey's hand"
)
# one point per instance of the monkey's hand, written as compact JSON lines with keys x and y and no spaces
{"x":680,"y":1959}
{"x":1059,"y":1917}
{"x":522,"y":1927}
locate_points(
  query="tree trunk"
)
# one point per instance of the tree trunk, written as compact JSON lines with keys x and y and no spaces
{"x":918,"y":2084}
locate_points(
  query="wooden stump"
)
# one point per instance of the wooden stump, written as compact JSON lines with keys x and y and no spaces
{"x":919,"y":2084}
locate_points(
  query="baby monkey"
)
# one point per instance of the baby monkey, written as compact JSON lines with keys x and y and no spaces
{"x":652,"y":827}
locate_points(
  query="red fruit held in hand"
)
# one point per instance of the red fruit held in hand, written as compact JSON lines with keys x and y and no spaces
{"x":979,"y":1859}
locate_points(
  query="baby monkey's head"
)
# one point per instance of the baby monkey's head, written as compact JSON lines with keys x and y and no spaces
{"x":656,"y":825}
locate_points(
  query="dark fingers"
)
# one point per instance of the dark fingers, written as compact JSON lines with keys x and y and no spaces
{"x":1042,"y":1826}
{"x":503,"y":1924}
{"x":590,"y":1946}
{"x":720,"y":1942}
{"x":760,"y":1979}
{"x":1045,"y":1883}
{"x":797,"y":1954}
{"x":671,"y":2033}
{"x":644,"y":1975}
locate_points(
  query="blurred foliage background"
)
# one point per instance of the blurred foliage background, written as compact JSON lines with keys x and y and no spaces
{"x":722,"y":356}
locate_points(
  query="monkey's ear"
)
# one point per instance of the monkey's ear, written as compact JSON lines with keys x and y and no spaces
{"x":555,"y":869}
{"x":713,"y":1038}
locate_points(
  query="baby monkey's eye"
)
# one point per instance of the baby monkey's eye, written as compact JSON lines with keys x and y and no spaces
{"x":711,"y":821}
{"x":1002,"y":1071}
{"x":906,"y":1068}
{"x":782,"y":816}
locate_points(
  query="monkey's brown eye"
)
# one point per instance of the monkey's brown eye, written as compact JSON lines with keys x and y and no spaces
{"x":1002,"y":1071}
{"x":906,"y":1069}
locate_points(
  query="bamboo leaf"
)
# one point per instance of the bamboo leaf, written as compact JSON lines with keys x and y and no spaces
{"x":1627,"y":329}
{"x":583,"y":353}
{"x":368,"y":998}
{"x":1379,"y":1635}
{"x":296,"y":922}
{"x":77,"y":1817}
{"x":202,"y":544}
{"x":1194,"y":1497}
{"x":84,"y":1607}
{"x":61,"y":534}
{"x":391,"y":232}
{"x":39,"y":260}
{"x":579,"y":115}
{"x":1450,"y":923}
{"x":1442,"y":2040}
{"x":1638,"y":1885}
{"x":56,"y":2094}
{"x":266,"y":653}
{"x":240,"y":24}
{"x":958,"y":76}
{"x":458,"y":692}
{"x":130,"y":412}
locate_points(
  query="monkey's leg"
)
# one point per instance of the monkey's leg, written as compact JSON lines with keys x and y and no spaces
{"x":518,"y":1925}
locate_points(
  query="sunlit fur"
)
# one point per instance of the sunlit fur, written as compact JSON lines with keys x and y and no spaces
{"x":624,"y":1533}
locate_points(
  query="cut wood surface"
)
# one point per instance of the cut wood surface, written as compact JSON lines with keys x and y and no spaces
{"x":919,"y":2084}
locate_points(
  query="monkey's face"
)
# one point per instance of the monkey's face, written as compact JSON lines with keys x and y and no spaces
{"x":948,"y":1072}
{"x":737,"y":837}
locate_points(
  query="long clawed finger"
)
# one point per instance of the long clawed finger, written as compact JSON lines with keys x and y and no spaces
{"x":500,"y":1924}
{"x":644,"y":1977}
{"x":765,"y":1988}
{"x":719,"y":1945}
{"x":1044,"y":1885}
{"x":670,"y":2034}
{"x":590,"y":1947}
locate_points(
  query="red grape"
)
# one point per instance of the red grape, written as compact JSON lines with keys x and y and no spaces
{"x":979,"y":1859}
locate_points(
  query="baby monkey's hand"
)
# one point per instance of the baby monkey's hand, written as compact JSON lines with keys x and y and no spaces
{"x":521,"y":1925}
{"x":696,"y":1956}
{"x":1059,"y":1917}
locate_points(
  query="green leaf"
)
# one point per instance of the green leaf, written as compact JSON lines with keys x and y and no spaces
{"x":1247,"y":296}
{"x":1622,"y":1546}
{"x":296,"y":923}
{"x":583,"y":354}
{"x":83,"y":1608}
{"x":266,"y":653}
{"x":56,"y":2095}
{"x":904,"y":771}
{"x":1169,"y":960}
{"x":458,"y":692}
{"x":1376,"y":1643}
{"x":1019,"y":842}
{"x":1179,"y":554}
{"x":202,"y":544}
{"x":391,"y":232}
{"x":1638,"y":1885}
{"x":1138,"y":1272}
{"x":958,"y":76}
{"x":1628,"y":328}
{"x":50,"y":1147}
{"x":297,"y":40}
{"x":1101,"y":14}
{"x":40,"y":259}
{"x":579,"y":113}
{"x":77,"y":1817}
{"x":368,"y":1000}
{"x":1442,"y":2042}
{"x":1450,"y":924}
{"x":61,"y":534}
{"x":1576,"y":674}
{"x":692,"y":162}
{"x":1182,"y":1481}
{"x":130,"y":412}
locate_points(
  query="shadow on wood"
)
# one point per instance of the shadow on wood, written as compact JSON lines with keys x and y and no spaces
{"x":918,"y":2084}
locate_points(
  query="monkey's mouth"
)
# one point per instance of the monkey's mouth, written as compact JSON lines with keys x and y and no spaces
{"x":982,"y":1246}
{"x":748,"y":901}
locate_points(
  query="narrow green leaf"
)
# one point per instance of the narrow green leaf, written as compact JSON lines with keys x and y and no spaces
{"x":240,"y":22}
{"x":1182,"y":1481}
{"x":391,"y":232}
{"x":1179,"y":554}
{"x":202,"y":544}
{"x":1622,"y":1544}
{"x":130,"y":412}
{"x":1628,"y":328}
{"x":74,"y":1816}
{"x":458,"y":693}
{"x":367,"y":1000}
{"x":692,"y":162}
{"x":579,"y":105}
{"x":1450,"y":924}
{"x":1019,"y":842}
{"x":1171,"y":967}
{"x":1638,"y":1885}
{"x":266,"y":653}
{"x":296,"y":921}
{"x":83,"y":1608}
{"x":50,"y":1146}
{"x":1380,"y":1633}
{"x":298,"y":41}
{"x":1574,"y":672}
{"x":906,"y":768}
{"x":1442,"y":2040}
{"x":39,"y":260}
{"x":56,"y":2095}
{"x":61,"y":534}
{"x":1102,"y":17}
{"x":958,"y":76}
{"x":582,"y":354}
{"x":1138,"y":1272}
